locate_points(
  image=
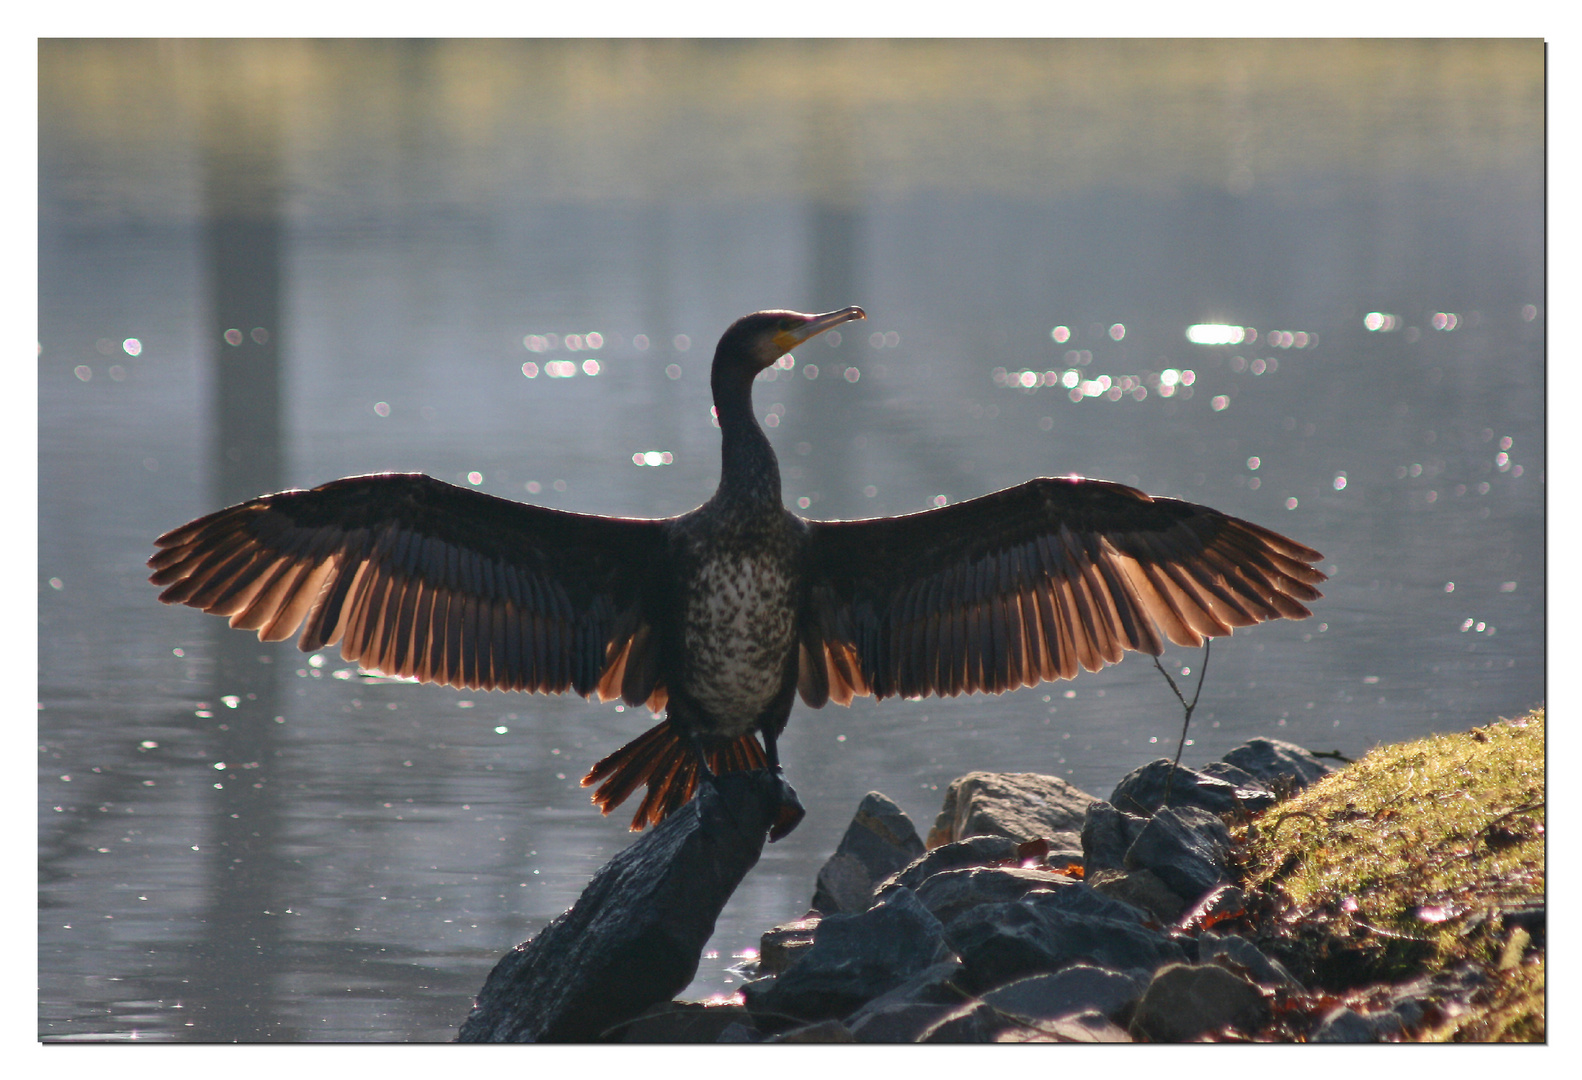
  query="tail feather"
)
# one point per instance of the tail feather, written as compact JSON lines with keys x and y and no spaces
{"x":669,"y":788}
{"x":663,"y":759}
{"x":629,"y":768}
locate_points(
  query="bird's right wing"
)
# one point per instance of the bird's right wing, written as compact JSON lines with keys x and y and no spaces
{"x":419,"y":578}
{"x":1028,"y":584}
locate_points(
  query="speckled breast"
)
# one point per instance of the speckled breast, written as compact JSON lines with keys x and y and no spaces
{"x":740,"y":626}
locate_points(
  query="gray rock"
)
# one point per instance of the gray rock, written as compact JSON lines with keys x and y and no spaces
{"x":825,"y":1031}
{"x":879,"y":842}
{"x":937,"y":984}
{"x":1084,"y":899}
{"x":854,"y":958}
{"x":1185,"y":1001}
{"x":1243,"y":957}
{"x":1390,"y":1026}
{"x":1234,"y":775}
{"x":1077,"y":989}
{"x":781,"y":944}
{"x":999,"y":943}
{"x":904,"y":1013}
{"x":1345,"y":1025}
{"x":1141,"y":889}
{"x":1106,"y":834}
{"x":974,"y":851}
{"x":1186,"y":847}
{"x":843,"y":886}
{"x":740,"y":1033}
{"x":1088,"y":1027}
{"x":954,"y":891}
{"x":1273,"y":761}
{"x":1022,"y":806}
{"x":1142,"y":791}
{"x":1407,"y":1005}
{"x":898,"y":1022}
{"x":684,"y":1022}
{"x":1410,"y":1011}
{"x":974,"y":1022}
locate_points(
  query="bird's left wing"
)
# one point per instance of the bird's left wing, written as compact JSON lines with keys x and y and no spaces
{"x":1028,"y":583}
{"x":419,"y":578}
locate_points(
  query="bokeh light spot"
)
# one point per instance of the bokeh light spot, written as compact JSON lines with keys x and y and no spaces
{"x":1215,"y":334}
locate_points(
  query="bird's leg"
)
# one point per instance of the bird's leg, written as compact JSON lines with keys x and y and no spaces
{"x":790,"y":813}
{"x":772,"y":751}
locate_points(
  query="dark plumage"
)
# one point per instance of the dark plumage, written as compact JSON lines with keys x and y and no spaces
{"x":722,"y":615}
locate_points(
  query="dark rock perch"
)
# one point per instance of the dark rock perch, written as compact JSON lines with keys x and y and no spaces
{"x":633,"y":938}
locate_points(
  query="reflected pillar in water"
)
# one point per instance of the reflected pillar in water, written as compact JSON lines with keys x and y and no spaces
{"x":240,"y":958}
{"x":833,"y":403}
{"x":654,"y":250}
{"x":241,"y":193}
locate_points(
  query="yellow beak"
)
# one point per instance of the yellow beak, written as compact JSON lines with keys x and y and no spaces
{"x":816,"y":325}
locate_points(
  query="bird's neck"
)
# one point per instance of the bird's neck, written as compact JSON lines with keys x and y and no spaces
{"x":749,"y":470}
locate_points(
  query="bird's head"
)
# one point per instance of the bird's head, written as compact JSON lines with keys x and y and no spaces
{"x":756,"y":341}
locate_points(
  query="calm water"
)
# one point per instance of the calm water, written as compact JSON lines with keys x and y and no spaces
{"x":238,"y":841}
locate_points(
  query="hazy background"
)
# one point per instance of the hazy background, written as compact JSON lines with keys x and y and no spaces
{"x":240,"y":842}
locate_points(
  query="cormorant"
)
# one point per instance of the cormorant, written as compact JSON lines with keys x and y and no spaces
{"x":722,"y":615}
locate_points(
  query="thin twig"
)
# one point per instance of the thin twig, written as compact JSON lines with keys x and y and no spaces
{"x":1187,"y":722}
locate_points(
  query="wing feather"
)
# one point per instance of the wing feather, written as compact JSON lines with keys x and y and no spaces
{"x":418,"y":578}
{"x":1033,"y":583}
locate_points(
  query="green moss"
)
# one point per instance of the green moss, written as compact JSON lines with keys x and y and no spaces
{"x":1403,"y":862}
